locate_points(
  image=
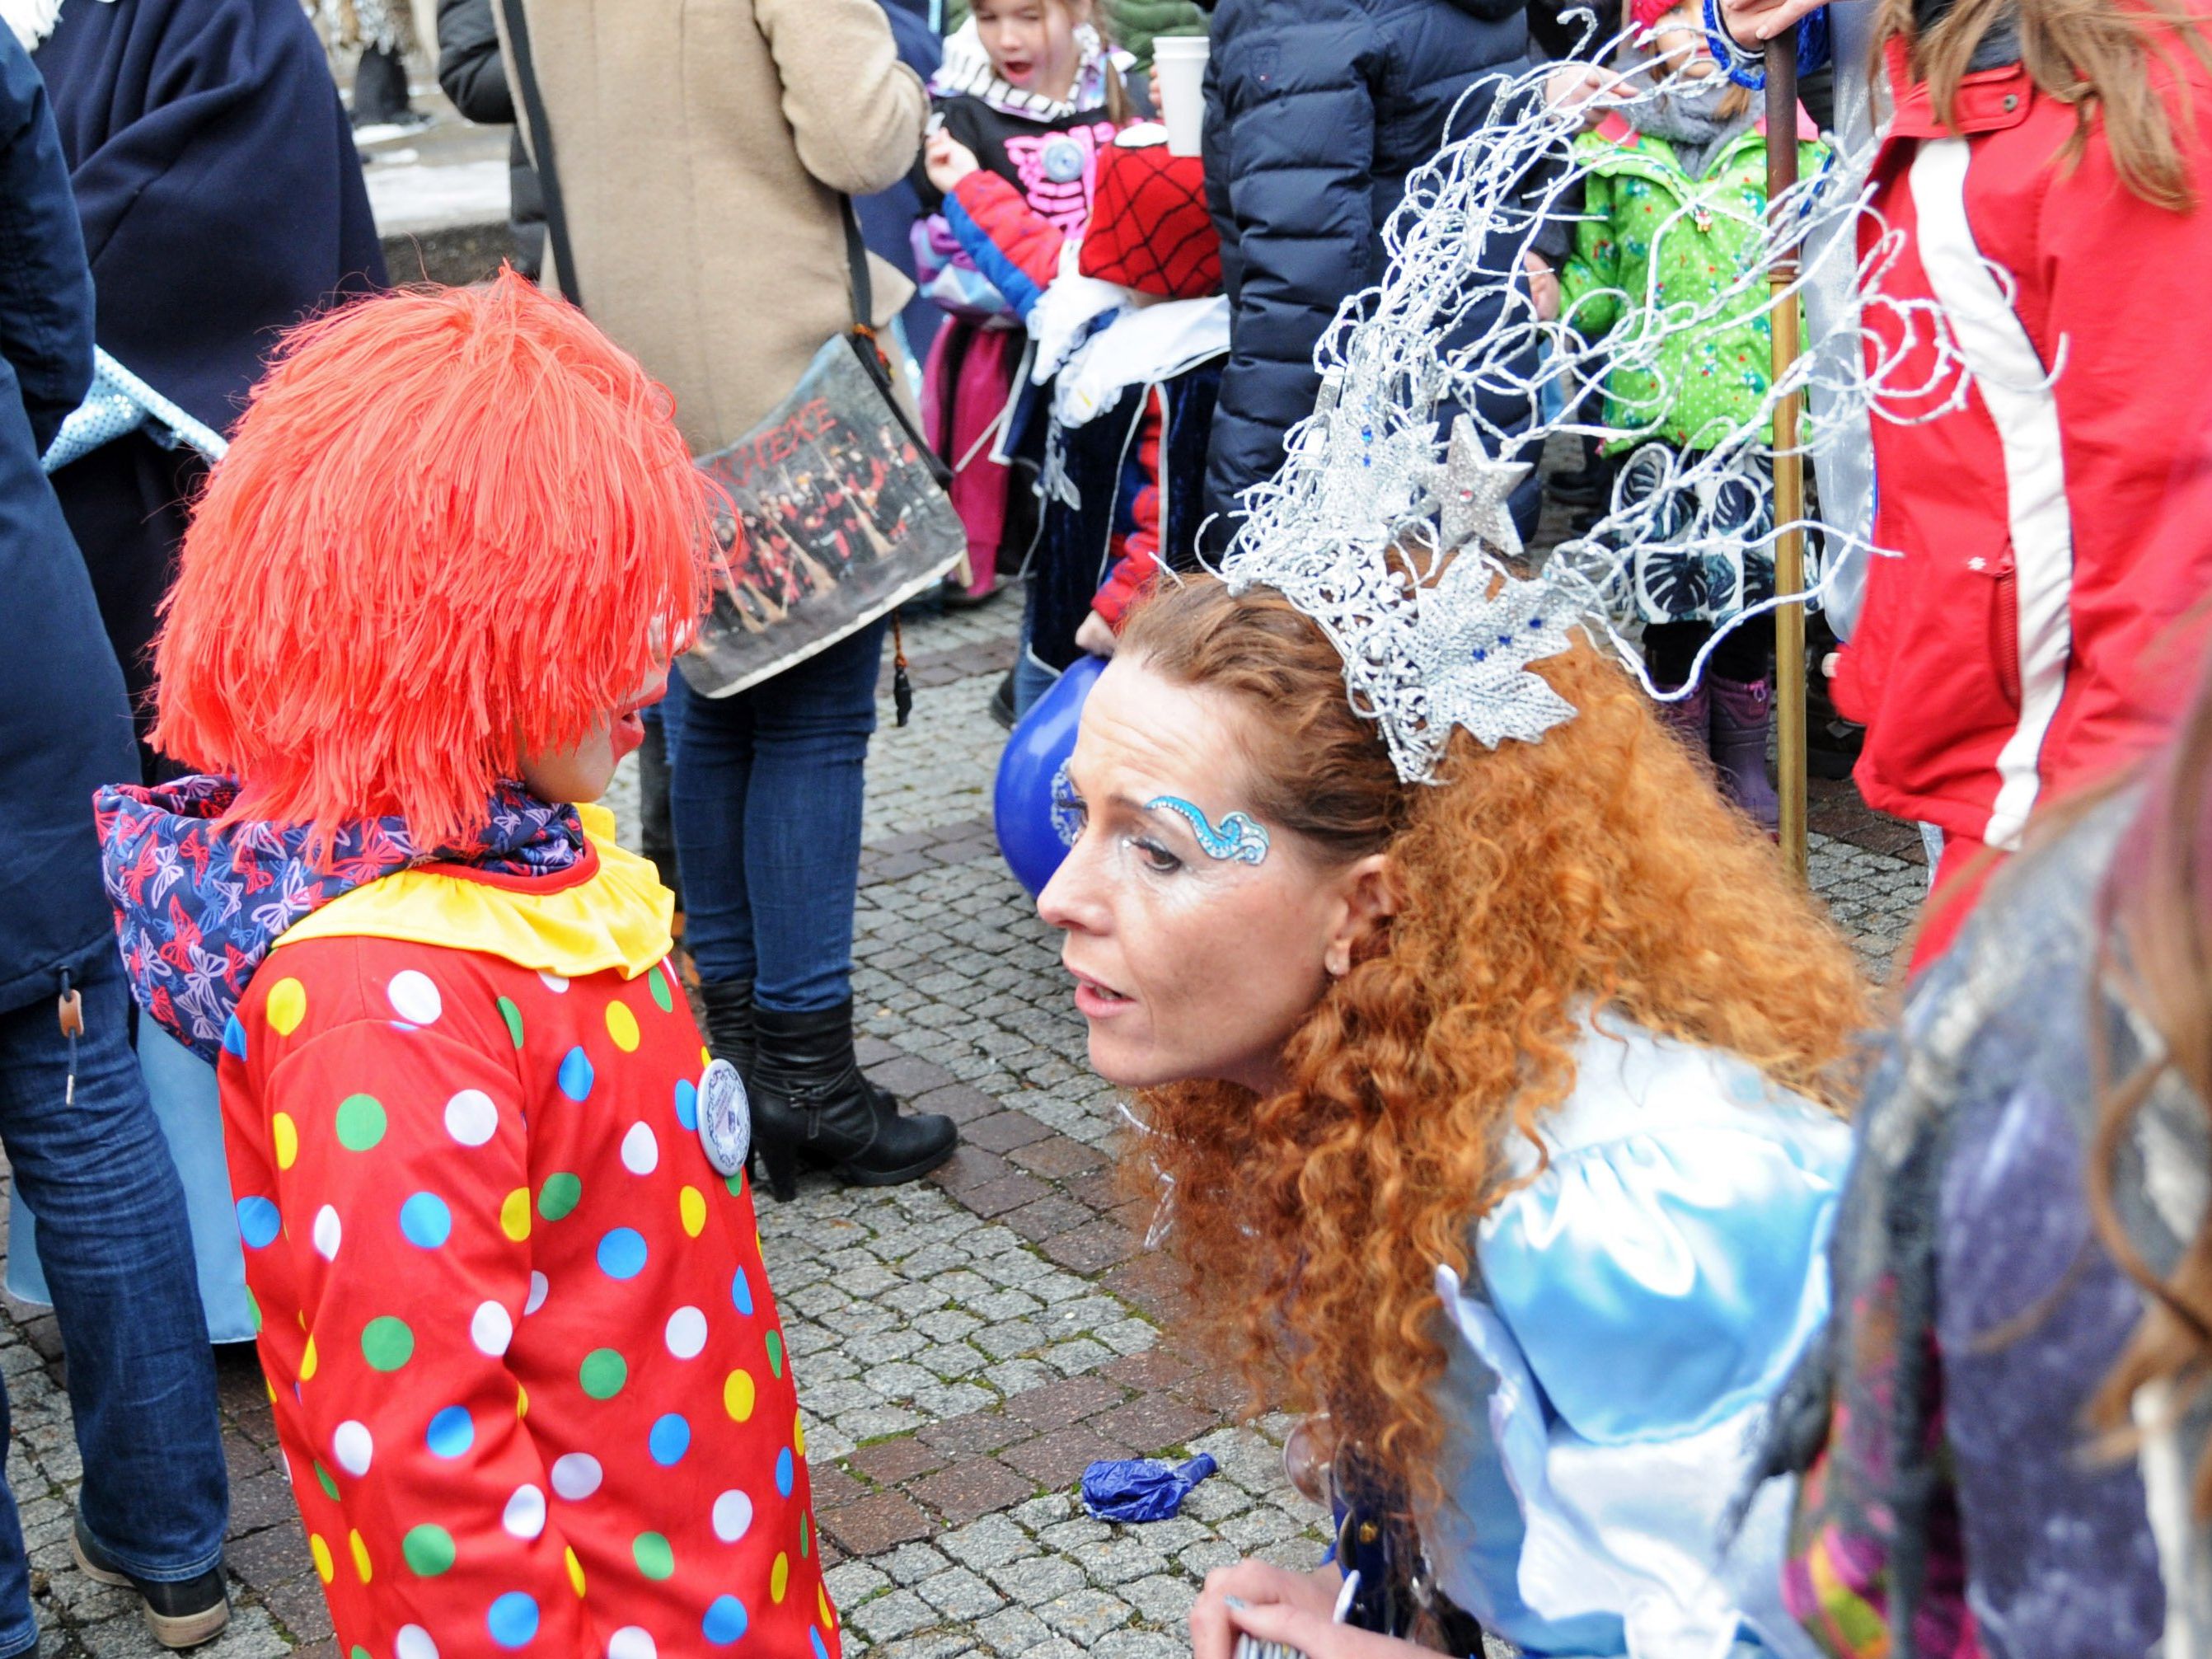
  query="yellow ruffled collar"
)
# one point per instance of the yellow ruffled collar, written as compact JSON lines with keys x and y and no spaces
{"x":617,"y":918}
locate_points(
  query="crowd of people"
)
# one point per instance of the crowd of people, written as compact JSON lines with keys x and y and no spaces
{"x":1650,"y":1282}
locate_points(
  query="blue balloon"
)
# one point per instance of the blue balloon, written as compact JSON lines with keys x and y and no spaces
{"x":1022,"y":803}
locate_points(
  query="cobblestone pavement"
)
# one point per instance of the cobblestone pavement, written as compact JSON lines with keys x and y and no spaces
{"x":964,"y":1346}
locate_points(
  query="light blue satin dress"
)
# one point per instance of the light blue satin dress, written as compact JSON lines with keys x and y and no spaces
{"x":1639,"y":1303}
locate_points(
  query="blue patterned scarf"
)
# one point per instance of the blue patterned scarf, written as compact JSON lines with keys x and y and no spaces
{"x":198,"y":903}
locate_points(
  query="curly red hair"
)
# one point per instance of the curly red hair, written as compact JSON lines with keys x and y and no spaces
{"x":1598,"y":867}
{"x":456,"y":526}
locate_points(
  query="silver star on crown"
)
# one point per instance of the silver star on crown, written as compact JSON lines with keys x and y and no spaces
{"x":1396,"y":552}
{"x":1396,"y":536}
{"x":1472,"y":493}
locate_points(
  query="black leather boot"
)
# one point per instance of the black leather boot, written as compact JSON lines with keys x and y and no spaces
{"x":729,"y":1034}
{"x":809,"y":1102}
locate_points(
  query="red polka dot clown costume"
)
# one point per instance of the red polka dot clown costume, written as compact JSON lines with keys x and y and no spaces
{"x":528,"y":1375}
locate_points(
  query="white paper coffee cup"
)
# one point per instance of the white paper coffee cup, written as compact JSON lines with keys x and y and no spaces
{"x":1179,"y":61}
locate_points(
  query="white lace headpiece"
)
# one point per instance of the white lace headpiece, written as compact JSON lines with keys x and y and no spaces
{"x":1388,"y":524}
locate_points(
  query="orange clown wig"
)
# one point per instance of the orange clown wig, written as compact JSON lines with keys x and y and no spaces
{"x":457,"y":527}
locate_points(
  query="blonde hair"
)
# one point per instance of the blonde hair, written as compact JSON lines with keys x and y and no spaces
{"x":2097,"y":55}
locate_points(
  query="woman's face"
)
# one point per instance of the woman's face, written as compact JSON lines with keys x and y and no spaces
{"x":1199,"y":936}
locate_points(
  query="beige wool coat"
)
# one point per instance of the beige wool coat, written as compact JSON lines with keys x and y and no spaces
{"x":701,"y":146}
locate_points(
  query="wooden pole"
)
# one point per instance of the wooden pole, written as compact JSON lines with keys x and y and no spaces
{"x":1788,"y":464}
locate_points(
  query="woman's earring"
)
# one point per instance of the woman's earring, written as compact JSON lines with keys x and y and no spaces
{"x":1336,"y":964}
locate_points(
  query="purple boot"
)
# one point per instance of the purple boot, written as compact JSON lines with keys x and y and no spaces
{"x":1741,"y":711}
{"x":1689,"y":719}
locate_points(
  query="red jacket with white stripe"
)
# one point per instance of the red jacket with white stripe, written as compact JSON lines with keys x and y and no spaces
{"x":2053,"y":529}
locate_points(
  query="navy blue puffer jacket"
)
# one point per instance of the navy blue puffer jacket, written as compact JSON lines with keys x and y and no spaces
{"x":1315,"y":112}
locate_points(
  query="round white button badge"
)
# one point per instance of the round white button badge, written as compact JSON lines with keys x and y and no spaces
{"x":726,"y":1118}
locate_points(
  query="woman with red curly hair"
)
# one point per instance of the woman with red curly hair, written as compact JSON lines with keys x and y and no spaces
{"x":528,"y":1380}
{"x":1496,"y":1119}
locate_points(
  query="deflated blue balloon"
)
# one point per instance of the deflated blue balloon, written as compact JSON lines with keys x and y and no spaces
{"x":1032,"y":835}
{"x":1141,"y":1488}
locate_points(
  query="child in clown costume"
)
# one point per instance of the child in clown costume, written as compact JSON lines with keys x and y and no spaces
{"x":526,"y":1372}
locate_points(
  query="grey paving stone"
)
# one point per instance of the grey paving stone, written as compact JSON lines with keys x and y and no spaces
{"x":957,"y":1593}
{"x":1086,"y":1616}
{"x":1259,"y":1526}
{"x":909,"y":1564}
{"x":1162,"y":1599}
{"x":1201,"y":1559}
{"x":1140,"y":1644}
{"x":1216,"y":1500}
{"x":895,"y":1614}
{"x":930,"y":1645}
{"x":1040,"y":1513}
{"x":1034,"y":1580}
{"x":851,"y":1583}
{"x":1017,"y":1629}
{"x":1120,"y":1561}
{"x":992,"y":1541}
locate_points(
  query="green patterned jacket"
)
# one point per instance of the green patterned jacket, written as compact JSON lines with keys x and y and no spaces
{"x":1653,"y":237}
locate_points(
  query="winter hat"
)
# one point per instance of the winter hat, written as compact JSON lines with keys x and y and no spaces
{"x":1150,"y":229}
{"x":1644,"y":13}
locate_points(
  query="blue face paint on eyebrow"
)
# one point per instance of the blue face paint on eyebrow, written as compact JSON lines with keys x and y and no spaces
{"x":1238,"y":838}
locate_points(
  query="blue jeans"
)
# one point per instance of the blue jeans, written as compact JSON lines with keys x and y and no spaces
{"x":766,"y":798}
{"x":1032,"y":677}
{"x":188,"y":1107}
{"x":119,"y":1259}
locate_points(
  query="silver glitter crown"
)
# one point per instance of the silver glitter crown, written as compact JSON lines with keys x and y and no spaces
{"x":1428,"y":643}
{"x":1394,"y":538}
{"x":1388,"y":524}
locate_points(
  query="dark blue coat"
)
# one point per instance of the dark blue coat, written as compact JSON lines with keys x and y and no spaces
{"x":222,"y":201}
{"x":1315,"y":112}
{"x":887,"y":218}
{"x":216,"y":178}
{"x":64,"y":728}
